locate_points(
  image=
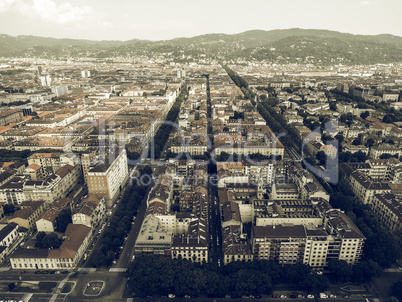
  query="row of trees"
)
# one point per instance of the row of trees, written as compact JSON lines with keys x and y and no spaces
{"x":120,"y":222}
{"x":364,"y":271}
{"x":241,"y":83}
{"x":158,"y":275}
{"x":162,"y":135}
{"x":288,"y":133}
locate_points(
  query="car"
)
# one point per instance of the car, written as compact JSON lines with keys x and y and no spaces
{"x":65,"y":272}
{"x":323,"y":296}
{"x":37,"y":272}
{"x":45,"y":272}
{"x":310,"y":296}
{"x":114,"y":262}
{"x":332,"y":296}
{"x":57,"y":272}
{"x":171,"y":296}
{"x":284,"y":297}
{"x":319,"y":273}
{"x":133,"y":257}
{"x":187,"y":296}
{"x":293,"y":296}
{"x":52,"y":272}
{"x":274,"y":296}
{"x":258,"y":296}
{"x":22,"y":272}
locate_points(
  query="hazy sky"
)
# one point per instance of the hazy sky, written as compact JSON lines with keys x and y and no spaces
{"x":166,"y":19}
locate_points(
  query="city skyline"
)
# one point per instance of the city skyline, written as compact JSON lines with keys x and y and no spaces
{"x":158,"y":20}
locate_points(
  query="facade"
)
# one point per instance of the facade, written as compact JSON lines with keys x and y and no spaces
{"x":365,"y":188}
{"x":65,"y":257}
{"x":55,"y":186}
{"x":388,"y":209}
{"x":29,"y":213}
{"x":108,"y":179}
{"x":92,"y":211}
{"x":10,"y":116}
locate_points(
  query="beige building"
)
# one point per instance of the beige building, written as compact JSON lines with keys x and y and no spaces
{"x":28,"y":214}
{"x":365,"y":188}
{"x":388,"y":209}
{"x":55,"y":186}
{"x":67,"y":256}
{"x":92,"y":211}
{"x":47,"y":222}
{"x":109,"y":178}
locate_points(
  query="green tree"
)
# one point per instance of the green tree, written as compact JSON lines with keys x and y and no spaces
{"x":321,"y":157}
{"x":396,"y":289}
{"x":97,"y":259}
{"x":370,"y":142}
{"x":365,"y":114}
{"x":11,"y":286}
{"x":340,"y":270}
{"x":383,"y":248}
{"x":9,"y":209}
{"x":63,"y":219}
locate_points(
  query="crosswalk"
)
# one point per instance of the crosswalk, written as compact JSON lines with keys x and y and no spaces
{"x":118,"y":270}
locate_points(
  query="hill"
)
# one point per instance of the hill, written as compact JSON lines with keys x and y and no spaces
{"x":275,"y":46}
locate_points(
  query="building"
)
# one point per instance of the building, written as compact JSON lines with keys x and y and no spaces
{"x":91,"y":211}
{"x":388,"y":209}
{"x":192,"y":246}
{"x":377,"y":151}
{"x":66,"y":257}
{"x":28,"y":214}
{"x":109,"y":178}
{"x":55,"y":186}
{"x":8,"y":236}
{"x":235,"y":248}
{"x":152,"y":239}
{"x":47,"y":222}
{"x":365,"y":188}
{"x":10,"y":116}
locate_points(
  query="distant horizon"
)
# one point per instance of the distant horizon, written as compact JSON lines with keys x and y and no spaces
{"x":204,"y":34}
{"x":157,"y":20}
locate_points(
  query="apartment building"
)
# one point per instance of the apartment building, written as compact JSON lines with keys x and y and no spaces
{"x":91,"y":212}
{"x":109,"y":178}
{"x":47,"y":222}
{"x":55,"y":186}
{"x":388,"y":209}
{"x":8,"y":236}
{"x":28,"y":214}
{"x":365,"y":188}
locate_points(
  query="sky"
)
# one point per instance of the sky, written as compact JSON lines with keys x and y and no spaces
{"x":167,"y":19}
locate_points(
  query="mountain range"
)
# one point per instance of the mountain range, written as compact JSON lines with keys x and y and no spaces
{"x":276,"y":46}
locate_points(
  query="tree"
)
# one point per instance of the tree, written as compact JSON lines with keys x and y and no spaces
{"x":63,"y":219}
{"x":388,"y":119}
{"x":370,"y":142}
{"x":340,"y":270}
{"x":364,"y":114}
{"x":11,"y":286}
{"x":46,"y":241}
{"x":321,"y":157}
{"x":97,"y":259}
{"x":396,"y":289}
{"x":365,"y":270}
{"x":383,"y":248}
{"x":9,"y":209}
